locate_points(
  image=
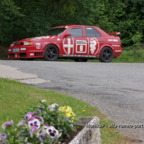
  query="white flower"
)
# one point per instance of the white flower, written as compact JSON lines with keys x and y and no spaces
{"x":52,"y":132}
{"x":43,"y":101}
{"x":34,"y":124}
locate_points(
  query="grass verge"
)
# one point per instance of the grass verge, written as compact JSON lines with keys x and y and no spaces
{"x":128,"y":56}
{"x":16,"y":98}
{"x":131,"y":56}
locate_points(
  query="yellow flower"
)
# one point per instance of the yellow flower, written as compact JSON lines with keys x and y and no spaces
{"x":83,"y":110}
{"x":68,"y":112}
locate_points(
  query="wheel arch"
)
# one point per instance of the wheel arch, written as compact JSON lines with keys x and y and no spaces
{"x":53,"y":44}
{"x":103,"y":46}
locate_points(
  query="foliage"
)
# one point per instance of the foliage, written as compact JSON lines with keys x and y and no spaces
{"x":133,"y":20}
{"x":8,"y":13}
{"x":45,"y":124}
{"x":132,"y":55}
{"x":21,"y":19}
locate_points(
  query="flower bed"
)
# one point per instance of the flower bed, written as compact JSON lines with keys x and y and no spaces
{"x":44,"y":124}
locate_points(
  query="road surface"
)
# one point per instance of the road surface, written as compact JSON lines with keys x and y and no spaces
{"x":117,"y":89}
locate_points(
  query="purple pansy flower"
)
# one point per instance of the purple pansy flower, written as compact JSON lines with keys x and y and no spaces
{"x":9,"y":123}
{"x":29,"y":115}
{"x":34,"y":124}
{"x":42,"y":138}
{"x":52,"y":132}
{"x":42,"y":134}
{"x":22,"y":122}
{"x":39,"y":110}
{"x":3,"y":136}
{"x":40,"y":119}
{"x":53,"y":106}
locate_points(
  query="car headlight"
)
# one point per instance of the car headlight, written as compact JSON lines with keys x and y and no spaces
{"x":9,"y":50}
{"x":27,"y":43}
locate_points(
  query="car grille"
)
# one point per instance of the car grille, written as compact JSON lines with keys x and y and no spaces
{"x":38,"y":54}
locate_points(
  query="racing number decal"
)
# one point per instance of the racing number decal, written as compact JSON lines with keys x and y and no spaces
{"x":68,"y":45}
{"x":81,"y":46}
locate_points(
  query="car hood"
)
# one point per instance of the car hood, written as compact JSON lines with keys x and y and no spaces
{"x":42,"y":38}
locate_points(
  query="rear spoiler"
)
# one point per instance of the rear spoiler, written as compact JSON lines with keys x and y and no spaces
{"x":115,"y":33}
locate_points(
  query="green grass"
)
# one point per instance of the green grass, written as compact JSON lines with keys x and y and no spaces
{"x":128,"y":56}
{"x":131,"y":56}
{"x":17,"y":98}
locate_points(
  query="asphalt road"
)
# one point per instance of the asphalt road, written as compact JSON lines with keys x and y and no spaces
{"x":117,"y":89}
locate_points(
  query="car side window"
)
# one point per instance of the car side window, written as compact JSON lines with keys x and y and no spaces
{"x":91,"y":32}
{"x":76,"y":32}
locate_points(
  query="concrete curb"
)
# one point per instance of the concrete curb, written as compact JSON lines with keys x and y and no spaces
{"x":88,"y":135}
{"x":15,"y":74}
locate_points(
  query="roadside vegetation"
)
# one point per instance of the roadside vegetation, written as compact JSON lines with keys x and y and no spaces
{"x":131,"y":56}
{"x":17,"y":98}
{"x":3,"y":52}
{"x":22,"y":19}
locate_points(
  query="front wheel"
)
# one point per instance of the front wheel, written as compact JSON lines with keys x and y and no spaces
{"x":51,"y":53}
{"x":106,"y":55}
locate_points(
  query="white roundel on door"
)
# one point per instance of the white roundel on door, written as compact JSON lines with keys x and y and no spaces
{"x":93,"y":45}
{"x":68,"y":45}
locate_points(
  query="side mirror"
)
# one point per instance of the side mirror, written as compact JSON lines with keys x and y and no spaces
{"x":66,"y":35}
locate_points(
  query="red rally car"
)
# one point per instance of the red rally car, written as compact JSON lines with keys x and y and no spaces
{"x":78,"y":42}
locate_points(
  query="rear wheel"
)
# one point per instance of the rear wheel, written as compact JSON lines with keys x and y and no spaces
{"x":106,"y":55}
{"x":51,"y":53}
{"x":81,"y":60}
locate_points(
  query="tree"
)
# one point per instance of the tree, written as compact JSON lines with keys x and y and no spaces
{"x":8,"y":12}
{"x":132,"y":23}
{"x":21,"y":19}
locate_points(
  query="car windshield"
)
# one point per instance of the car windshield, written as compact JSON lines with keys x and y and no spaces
{"x":55,"y":31}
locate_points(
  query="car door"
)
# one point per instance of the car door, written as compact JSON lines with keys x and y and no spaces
{"x":76,"y":45}
{"x":94,"y":40}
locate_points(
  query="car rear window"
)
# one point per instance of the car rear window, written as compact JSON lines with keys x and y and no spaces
{"x":91,"y":32}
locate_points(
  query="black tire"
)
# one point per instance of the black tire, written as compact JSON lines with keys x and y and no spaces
{"x":51,"y":53}
{"x":106,"y":55}
{"x":81,"y":60}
